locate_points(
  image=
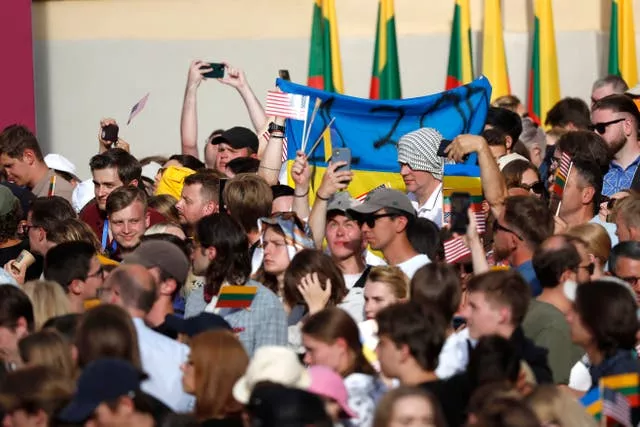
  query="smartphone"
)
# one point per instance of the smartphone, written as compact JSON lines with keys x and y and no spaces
{"x":460,"y":203}
{"x":284,"y":75}
{"x":110,"y":133}
{"x":223,"y":182}
{"x":217,"y":71}
{"x":443,"y":146}
{"x":342,"y":155}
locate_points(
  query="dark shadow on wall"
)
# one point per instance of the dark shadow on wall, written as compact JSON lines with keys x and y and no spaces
{"x":41,"y":63}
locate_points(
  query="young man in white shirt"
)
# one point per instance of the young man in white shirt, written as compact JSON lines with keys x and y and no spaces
{"x":385,"y":218}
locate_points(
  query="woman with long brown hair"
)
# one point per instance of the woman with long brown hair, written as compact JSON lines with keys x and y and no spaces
{"x":217,"y":360}
{"x":47,"y":348}
{"x":331,"y":338}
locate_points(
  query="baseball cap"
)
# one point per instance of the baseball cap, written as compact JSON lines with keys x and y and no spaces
{"x":275,"y":364}
{"x":101,"y":381}
{"x":60,"y":163}
{"x":327,"y":383}
{"x":380,"y":199}
{"x":238,"y":137}
{"x":419,"y":150}
{"x":195,"y":325}
{"x":162,"y":254}
{"x":7,"y":200}
{"x":341,"y":201}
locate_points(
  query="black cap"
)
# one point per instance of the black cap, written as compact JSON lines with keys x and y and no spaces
{"x":195,"y":325}
{"x":238,"y":137}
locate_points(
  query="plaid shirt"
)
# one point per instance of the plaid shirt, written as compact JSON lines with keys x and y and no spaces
{"x":264,"y":323}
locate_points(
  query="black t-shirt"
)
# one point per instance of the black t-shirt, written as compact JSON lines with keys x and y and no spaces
{"x":7,"y":254}
{"x":453,"y":395}
{"x":223,"y":422}
{"x":166,"y":331}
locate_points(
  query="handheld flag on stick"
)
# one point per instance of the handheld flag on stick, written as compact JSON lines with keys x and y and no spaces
{"x":322,"y":135}
{"x":52,"y":186}
{"x":286,"y":105}
{"x":136,"y":109}
{"x":559,"y":182}
{"x":615,"y":408}
{"x":236,"y":296}
{"x":455,"y":249}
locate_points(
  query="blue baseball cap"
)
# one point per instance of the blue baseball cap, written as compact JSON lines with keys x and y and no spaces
{"x":101,"y":381}
{"x":195,"y":325}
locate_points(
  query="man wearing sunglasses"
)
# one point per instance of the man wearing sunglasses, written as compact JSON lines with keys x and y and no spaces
{"x":624,"y":262}
{"x":616,"y":119}
{"x":384,"y":218}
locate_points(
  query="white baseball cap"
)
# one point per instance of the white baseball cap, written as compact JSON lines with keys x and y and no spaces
{"x":274,"y":364}
{"x":60,"y":163}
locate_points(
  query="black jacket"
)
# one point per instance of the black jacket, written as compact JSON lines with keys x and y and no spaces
{"x":536,"y":357}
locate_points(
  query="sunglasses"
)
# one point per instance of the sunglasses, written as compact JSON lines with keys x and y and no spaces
{"x":499,"y":227}
{"x":536,"y":187}
{"x":610,"y":201}
{"x":601,"y":127}
{"x":589,"y":267}
{"x":370,"y":220}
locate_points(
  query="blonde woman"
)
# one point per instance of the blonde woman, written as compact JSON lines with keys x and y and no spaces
{"x":50,"y":349}
{"x":48,"y":300}
{"x":598,"y":245}
{"x":385,"y":285}
{"x":555,"y":407}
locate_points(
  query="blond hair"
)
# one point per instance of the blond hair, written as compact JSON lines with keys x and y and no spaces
{"x":628,"y":209}
{"x":596,"y":239}
{"x":557,"y":407}
{"x":48,"y":348}
{"x":393,"y":277}
{"x":48,"y":300}
{"x":74,"y":230}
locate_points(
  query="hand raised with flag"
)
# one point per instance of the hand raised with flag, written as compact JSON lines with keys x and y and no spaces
{"x":463,"y":145}
{"x":301,"y":172}
{"x":334,"y":181}
{"x":196,"y":71}
{"x":233,"y":77}
{"x":313,"y":293}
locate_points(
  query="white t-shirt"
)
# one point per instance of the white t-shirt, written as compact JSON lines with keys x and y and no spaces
{"x":410,"y":266}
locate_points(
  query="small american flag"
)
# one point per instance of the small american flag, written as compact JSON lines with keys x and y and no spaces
{"x":136,"y":109}
{"x":267,"y":136}
{"x":287,"y":105}
{"x":616,"y":407}
{"x":363,"y":196}
{"x":455,"y":249}
{"x":562,"y":173}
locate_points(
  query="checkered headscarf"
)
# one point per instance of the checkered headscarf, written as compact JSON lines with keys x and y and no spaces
{"x":419,"y":149}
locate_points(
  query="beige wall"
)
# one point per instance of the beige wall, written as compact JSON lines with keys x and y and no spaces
{"x":96,"y":58}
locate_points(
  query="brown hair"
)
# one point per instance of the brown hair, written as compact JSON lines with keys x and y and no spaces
{"x":15,"y":139}
{"x":248,"y":197}
{"x":595,"y":238}
{"x":124,"y":196}
{"x":514,"y":170}
{"x":47,"y":348}
{"x":556,"y":407}
{"x":309,"y":261}
{"x":384,"y":410}
{"x":48,"y":300}
{"x":504,"y":288}
{"x":393,"y":277}
{"x":165,"y":204}
{"x":530,"y":217}
{"x":439,"y":284}
{"x":219,"y":360}
{"x":332,"y":323}
{"x":107,"y":331}
{"x":36,"y":388}
{"x":628,"y":209}
{"x":74,"y":230}
{"x":210,"y":182}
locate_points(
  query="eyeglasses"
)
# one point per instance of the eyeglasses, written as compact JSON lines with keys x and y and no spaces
{"x":98,"y":273}
{"x":370,"y":220}
{"x":589,"y":267}
{"x":631,"y":280}
{"x":536,"y":187}
{"x":499,"y":227}
{"x":601,"y":127}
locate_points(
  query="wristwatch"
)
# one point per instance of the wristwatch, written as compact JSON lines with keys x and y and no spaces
{"x":275,"y":128}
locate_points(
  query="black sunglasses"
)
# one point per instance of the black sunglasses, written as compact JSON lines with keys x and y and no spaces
{"x":536,"y":187}
{"x":499,"y":227}
{"x":589,"y":267}
{"x":601,"y":128}
{"x":370,"y":220}
{"x":610,"y":201}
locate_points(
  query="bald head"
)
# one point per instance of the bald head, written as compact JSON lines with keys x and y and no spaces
{"x":132,"y":287}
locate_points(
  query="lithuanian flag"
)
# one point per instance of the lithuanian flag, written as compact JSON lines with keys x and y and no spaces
{"x":460,"y":69}
{"x":622,"y":42}
{"x":385,"y":77}
{"x":544,"y":84}
{"x":494,"y":59}
{"x":325,"y":66}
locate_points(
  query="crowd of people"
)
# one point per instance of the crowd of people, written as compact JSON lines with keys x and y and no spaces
{"x":201,"y":289}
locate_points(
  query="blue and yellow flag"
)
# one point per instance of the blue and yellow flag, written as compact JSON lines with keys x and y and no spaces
{"x":372,"y":128}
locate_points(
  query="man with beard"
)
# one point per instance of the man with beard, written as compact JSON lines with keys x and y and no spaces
{"x":128,"y":219}
{"x":616,"y":119}
{"x":524,"y":223}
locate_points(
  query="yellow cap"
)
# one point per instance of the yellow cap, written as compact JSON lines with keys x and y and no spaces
{"x":172,"y":181}
{"x":107,"y":261}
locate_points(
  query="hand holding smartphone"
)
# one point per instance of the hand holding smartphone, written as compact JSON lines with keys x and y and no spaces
{"x":110,"y":133}
{"x":342,"y":155}
{"x":460,"y":203}
{"x":217,"y":70}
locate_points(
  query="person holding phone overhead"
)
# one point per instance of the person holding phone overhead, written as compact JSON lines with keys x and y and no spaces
{"x":421,"y":168}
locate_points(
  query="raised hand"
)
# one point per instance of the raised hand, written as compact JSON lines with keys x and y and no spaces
{"x":333,"y":181}
{"x":233,"y":77}
{"x":196,"y":71}
{"x":313,"y":294}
